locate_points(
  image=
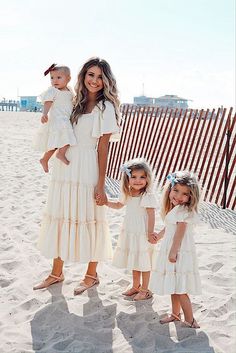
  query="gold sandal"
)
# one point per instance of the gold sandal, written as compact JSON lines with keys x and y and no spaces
{"x":143,"y":294}
{"x":172,"y":317}
{"x":193,"y":324}
{"x":45,"y":284}
{"x":131,"y":291}
{"x":83,"y":286}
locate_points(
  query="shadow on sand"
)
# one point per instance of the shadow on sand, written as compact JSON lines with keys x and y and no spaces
{"x":145,"y":334}
{"x":54,"y":329}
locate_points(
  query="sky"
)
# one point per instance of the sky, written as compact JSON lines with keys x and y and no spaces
{"x":154,"y":47}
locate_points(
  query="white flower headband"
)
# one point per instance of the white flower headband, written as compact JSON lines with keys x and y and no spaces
{"x":126,"y":170}
{"x":173,"y":179}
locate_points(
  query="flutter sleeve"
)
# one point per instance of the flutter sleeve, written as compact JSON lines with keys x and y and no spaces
{"x":105,"y":122}
{"x":181,"y":214}
{"x":148,"y":200}
{"x":49,"y":95}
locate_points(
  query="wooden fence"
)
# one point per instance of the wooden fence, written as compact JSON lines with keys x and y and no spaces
{"x":196,"y":140}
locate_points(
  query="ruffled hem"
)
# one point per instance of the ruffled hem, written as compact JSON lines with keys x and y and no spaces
{"x":45,"y":141}
{"x":175,"y":283}
{"x":133,"y":260}
{"x":72,"y":240}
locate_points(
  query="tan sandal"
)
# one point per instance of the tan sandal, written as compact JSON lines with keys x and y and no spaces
{"x":143,"y":294}
{"x":131,"y":291}
{"x":193,"y":324}
{"x":170,"y":318}
{"x":83,"y":286}
{"x":46,"y":284}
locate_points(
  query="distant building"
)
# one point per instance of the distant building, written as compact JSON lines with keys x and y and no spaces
{"x":29,"y":104}
{"x":171,"y":101}
{"x":143,"y":100}
{"x":167,"y":101}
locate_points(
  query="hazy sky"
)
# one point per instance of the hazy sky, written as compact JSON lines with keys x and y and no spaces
{"x":183,"y":47}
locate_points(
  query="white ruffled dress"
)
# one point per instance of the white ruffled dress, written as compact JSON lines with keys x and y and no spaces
{"x":133,"y":250}
{"x":73,"y":226}
{"x":58,"y":131}
{"x":183,"y":276}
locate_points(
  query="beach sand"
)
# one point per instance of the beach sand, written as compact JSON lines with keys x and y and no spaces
{"x":100,"y":320}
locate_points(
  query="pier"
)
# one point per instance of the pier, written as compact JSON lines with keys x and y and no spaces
{"x":9,"y":105}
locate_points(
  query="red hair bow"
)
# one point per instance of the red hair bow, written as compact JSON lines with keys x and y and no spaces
{"x":49,"y":69}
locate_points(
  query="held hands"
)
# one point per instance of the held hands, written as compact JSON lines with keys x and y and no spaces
{"x":44,"y":118}
{"x":100,"y":196}
{"x":154,"y":237}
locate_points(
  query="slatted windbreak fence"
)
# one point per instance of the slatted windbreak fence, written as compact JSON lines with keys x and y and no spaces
{"x":170,"y":140}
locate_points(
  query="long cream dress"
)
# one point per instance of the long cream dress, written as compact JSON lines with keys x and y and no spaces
{"x":73,"y":226}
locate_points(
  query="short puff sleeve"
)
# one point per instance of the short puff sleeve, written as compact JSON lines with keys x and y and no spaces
{"x":105,"y":122}
{"x":182,"y":214}
{"x":49,"y":95}
{"x":148,"y":200}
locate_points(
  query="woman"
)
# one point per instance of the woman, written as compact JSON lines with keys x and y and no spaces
{"x":74,"y":226}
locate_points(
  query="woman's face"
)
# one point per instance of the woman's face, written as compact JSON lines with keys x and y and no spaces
{"x":93,"y":79}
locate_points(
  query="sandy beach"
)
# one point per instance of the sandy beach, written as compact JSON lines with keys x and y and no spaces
{"x":100,"y":320}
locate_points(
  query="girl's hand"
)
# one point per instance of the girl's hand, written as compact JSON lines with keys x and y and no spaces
{"x":44,"y":119}
{"x":100,"y":196}
{"x":152,"y":237}
{"x":172,"y":256}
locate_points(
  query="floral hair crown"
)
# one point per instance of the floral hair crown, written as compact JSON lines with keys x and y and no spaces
{"x":126,"y":170}
{"x":185,"y":180}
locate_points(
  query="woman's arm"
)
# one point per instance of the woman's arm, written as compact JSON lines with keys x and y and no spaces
{"x":177,"y":240}
{"x":115,"y":205}
{"x":100,"y":196}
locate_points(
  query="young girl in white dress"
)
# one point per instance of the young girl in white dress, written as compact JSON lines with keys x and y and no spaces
{"x":56,"y":131}
{"x":176,"y":269}
{"x":134,"y":249}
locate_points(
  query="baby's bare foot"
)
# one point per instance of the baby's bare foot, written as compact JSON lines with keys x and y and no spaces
{"x":44,"y":164}
{"x":62,"y":158}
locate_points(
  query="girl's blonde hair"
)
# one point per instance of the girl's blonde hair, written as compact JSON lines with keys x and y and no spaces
{"x":128,"y":168}
{"x":183,"y":178}
{"x":109,"y":91}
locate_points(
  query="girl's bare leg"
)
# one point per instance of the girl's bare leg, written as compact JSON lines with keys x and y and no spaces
{"x":145,"y":279}
{"x":61,"y":154}
{"x":136,"y":278}
{"x":175,"y":300}
{"x":187,"y":309}
{"x":44,"y":161}
{"x":175,"y":315}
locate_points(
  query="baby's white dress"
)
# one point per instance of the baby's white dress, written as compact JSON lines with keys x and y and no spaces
{"x":73,"y":226}
{"x":58,"y":131}
{"x":133,"y":250}
{"x":183,"y":276}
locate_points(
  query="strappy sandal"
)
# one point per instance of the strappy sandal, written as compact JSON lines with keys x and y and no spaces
{"x":131,"y":291}
{"x":193,"y":324}
{"x":46,"y":284}
{"x":143,"y":294}
{"x":83,"y":286}
{"x":170,"y":318}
